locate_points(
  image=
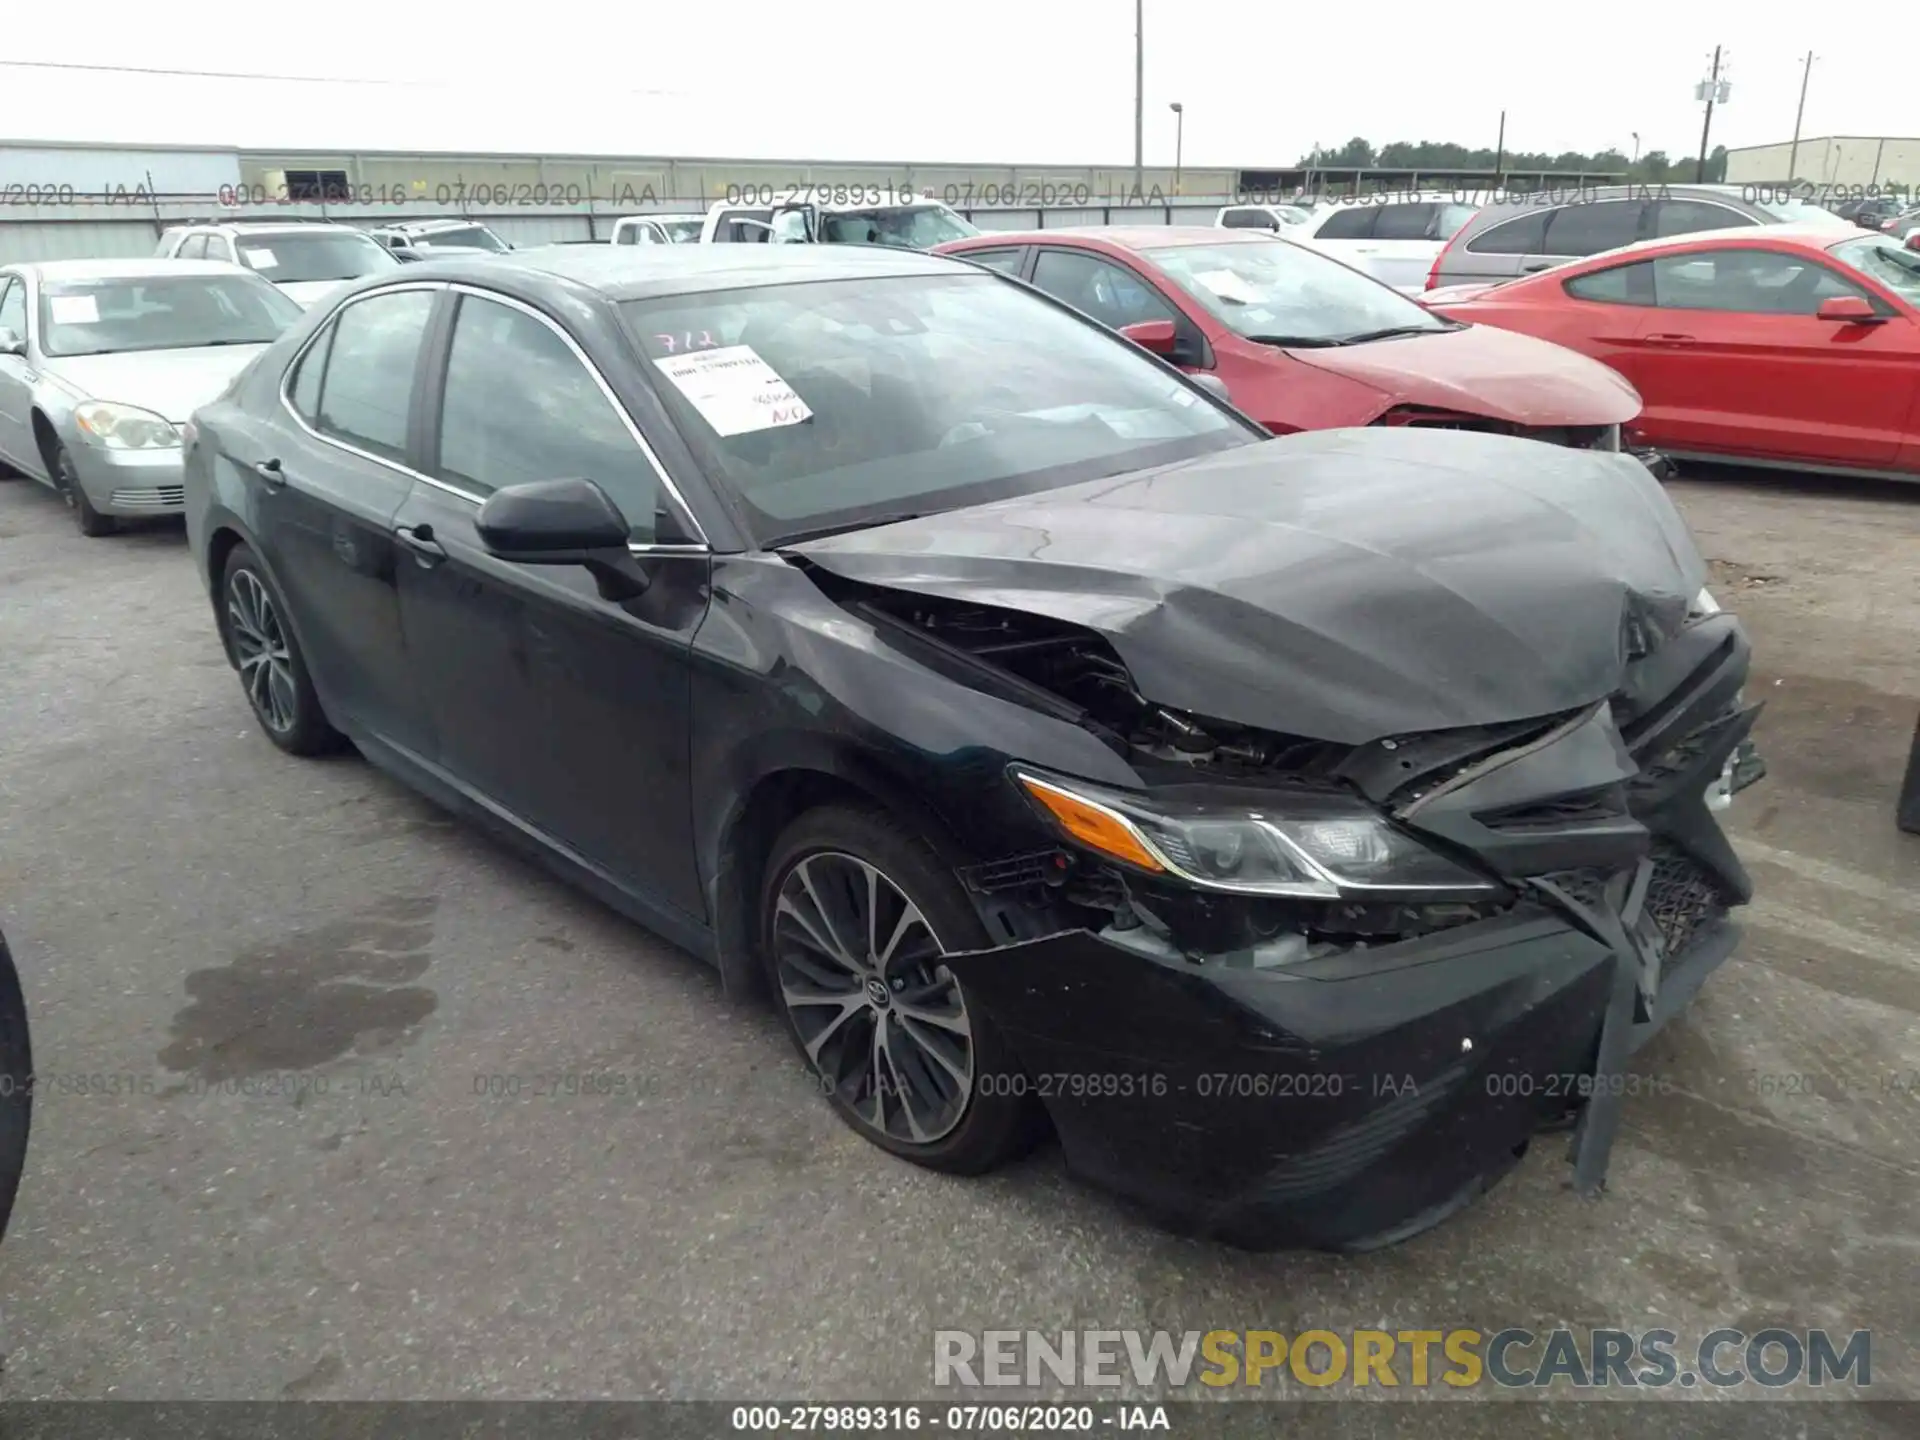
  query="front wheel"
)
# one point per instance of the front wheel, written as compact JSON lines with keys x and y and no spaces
{"x":66,"y":480}
{"x":857,"y":915}
{"x":260,"y":641}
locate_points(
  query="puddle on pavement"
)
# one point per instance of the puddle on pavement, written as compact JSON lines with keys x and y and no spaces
{"x":314,"y":996}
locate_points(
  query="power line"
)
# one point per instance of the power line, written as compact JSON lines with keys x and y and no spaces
{"x":285,"y":79}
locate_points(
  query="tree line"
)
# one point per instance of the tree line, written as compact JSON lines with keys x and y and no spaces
{"x":1654,"y":167}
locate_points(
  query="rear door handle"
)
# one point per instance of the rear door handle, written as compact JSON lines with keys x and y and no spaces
{"x":1534,"y":267}
{"x":1670,"y":339}
{"x":419,"y":539}
{"x":270,"y":471}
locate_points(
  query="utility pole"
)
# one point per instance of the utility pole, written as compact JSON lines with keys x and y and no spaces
{"x":1500,"y":151}
{"x":1793,"y":155}
{"x":1712,"y":90}
{"x":1139,"y":95}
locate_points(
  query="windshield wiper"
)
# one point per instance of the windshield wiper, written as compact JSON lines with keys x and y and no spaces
{"x":821,"y":532}
{"x":1393,"y":332}
{"x":1296,"y":342}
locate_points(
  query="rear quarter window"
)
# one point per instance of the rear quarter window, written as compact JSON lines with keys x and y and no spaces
{"x":1589,"y":229}
{"x":1522,"y":235}
{"x":1354,"y":224}
{"x":1617,"y":285}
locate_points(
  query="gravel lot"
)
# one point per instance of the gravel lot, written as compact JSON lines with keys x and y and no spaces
{"x":186,"y":904}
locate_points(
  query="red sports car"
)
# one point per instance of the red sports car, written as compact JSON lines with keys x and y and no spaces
{"x":1769,"y":345}
{"x":1303,"y":342}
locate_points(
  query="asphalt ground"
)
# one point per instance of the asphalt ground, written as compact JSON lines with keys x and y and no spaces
{"x":270,"y":1000}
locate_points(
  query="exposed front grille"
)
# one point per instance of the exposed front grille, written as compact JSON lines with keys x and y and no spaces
{"x":1609,"y":802}
{"x":158,"y":497}
{"x":1680,"y":897}
{"x":1579,"y":437}
{"x":1018,"y":872}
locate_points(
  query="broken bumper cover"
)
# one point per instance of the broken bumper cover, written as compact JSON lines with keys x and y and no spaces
{"x":1343,"y":1103}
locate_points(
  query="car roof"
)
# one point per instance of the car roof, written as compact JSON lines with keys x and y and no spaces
{"x":898,"y":202}
{"x":648,"y":271}
{"x":269,"y":227}
{"x":1798,"y":236}
{"x":421,"y":227}
{"x":1138,"y":238}
{"x":126,"y":269}
{"x":676,"y":215}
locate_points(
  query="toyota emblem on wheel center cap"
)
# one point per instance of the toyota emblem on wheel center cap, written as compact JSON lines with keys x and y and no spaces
{"x":877,"y":993}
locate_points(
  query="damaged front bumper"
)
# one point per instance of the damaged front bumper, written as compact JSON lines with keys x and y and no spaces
{"x":1358,"y":1097}
{"x":1345,"y":1103}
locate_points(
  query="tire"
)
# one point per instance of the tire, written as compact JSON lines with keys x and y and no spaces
{"x":90,"y":521}
{"x":923,"y":1111}
{"x":273,"y":673}
{"x":16,"y":1084}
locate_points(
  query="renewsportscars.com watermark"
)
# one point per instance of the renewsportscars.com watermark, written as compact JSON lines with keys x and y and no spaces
{"x":1414,"y":1359}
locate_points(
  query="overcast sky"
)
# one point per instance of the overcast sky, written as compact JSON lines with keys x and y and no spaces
{"x":1014,"y":81}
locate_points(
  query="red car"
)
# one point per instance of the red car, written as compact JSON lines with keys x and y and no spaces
{"x":1303,"y":342}
{"x":1768,"y":345}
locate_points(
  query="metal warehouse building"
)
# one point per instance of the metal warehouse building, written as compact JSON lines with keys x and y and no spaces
{"x":1891,"y":162}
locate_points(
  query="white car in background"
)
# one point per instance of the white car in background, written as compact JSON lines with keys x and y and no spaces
{"x":306,"y":260}
{"x":901,"y":223}
{"x":657,"y":229}
{"x":1394,"y":236}
{"x":1278,"y":219}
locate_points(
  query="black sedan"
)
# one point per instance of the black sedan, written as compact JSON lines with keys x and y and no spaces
{"x":1296,"y":826}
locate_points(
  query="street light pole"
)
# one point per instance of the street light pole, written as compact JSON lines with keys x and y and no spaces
{"x":1179,"y":140}
{"x":1139,"y":95}
{"x":1793,"y":155}
{"x":1636,"y":146}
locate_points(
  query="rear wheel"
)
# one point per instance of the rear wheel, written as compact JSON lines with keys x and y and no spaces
{"x":857,"y":916}
{"x":66,"y":480}
{"x":273,"y":673}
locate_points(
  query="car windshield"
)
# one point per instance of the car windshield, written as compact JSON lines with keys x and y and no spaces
{"x":322,"y":255}
{"x":1881,"y":259}
{"x":1273,"y":290}
{"x":680,"y":232}
{"x":840,"y":404}
{"x":1800,"y":212}
{"x":172,"y":312}
{"x":466,"y":237}
{"x":917,"y":227}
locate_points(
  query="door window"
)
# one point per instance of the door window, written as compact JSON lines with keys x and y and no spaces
{"x":1687,"y":217}
{"x":1523,"y":235}
{"x":1619,"y":285}
{"x":1589,"y":229}
{"x":1248,"y":220}
{"x":194,"y":247}
{"x":373,"y":351}
{"x":1750,"y":282}
{"x":1354,"y":224}
{"x":219,"y":249}
{"x":1405,"y":222}
{"x":1111,"y":295}
{"x":13,"y":306}
{"x":1005,"y":261}
{"x":520,"y":405}
{"x":309,"y":370}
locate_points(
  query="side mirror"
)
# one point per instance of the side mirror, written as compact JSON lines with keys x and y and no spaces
{"x":563,"y":522}
{"x":11,"y":343}
{"x":1848,"y":309}
{"x":1159,"y":336}
{"x":1213,"y":385}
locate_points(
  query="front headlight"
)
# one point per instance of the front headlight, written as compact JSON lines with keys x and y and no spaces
{"x":124,"y":427}
{"x":1322,"y":847}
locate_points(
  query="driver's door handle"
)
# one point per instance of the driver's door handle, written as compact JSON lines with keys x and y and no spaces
{"x":419,"y":539}
{"x":270,"y":471}
{"x":1664,"y":339}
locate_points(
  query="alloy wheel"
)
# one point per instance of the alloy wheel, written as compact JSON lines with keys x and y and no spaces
{"x":260,"y":650}
{"x":878,"y":1012}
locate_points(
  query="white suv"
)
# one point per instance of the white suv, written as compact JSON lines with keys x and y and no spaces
{"x":1394,"y":237}
{"x":305,"y":260}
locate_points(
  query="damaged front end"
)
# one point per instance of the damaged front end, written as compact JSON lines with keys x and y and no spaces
{"x":1429,"y":733}
{"x":1304,"y":992}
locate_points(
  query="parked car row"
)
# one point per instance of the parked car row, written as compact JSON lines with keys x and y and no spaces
{"x":986,"y":691}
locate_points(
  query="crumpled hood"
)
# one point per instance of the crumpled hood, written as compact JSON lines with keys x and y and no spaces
{"x":170,"y":383}
{"x":1481,"y":370}
{"x":1343,"y":585}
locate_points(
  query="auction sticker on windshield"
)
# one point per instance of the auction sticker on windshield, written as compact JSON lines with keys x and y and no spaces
{"x":1227,"y":285}
{"x":735,"y":391}
{"x":261,"y":259}
{"x":74,"y":309}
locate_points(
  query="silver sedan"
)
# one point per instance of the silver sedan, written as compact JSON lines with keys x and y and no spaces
{"x":101,"y":363}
